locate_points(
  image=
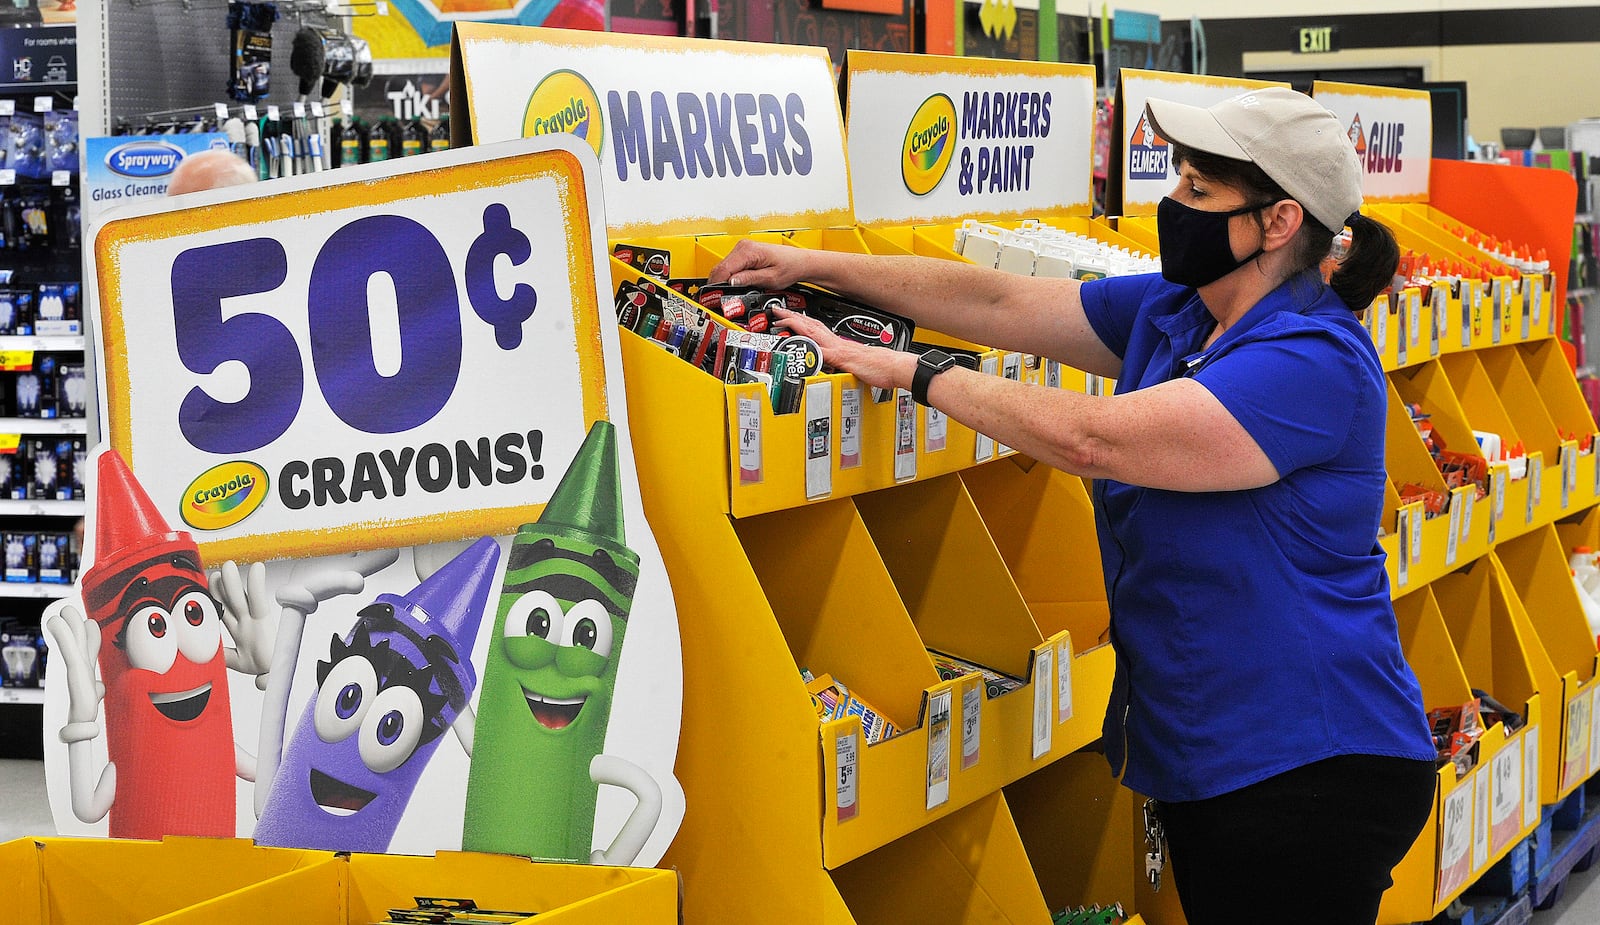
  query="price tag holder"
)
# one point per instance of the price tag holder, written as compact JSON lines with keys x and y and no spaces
{"x":1497,"y":301}
{"x":16,"y":361}
{"x":272,"y":113}
{"x":347,"y":108}
{"x":1471,"y":311}
{"x":984,"y":445}
{"x":45,"y":103}
{"x":1480,"y":820}
{"x":1011,"y":368}
{"x":1418,"y":516}
{"x":971,"y":721}
{"x":850,"y":427}
{"x":819,"y":439}
{"x":846,"y":753}
{"x":1440,"y":306}
{"x":1414,"y":308}
{"x":1043,"y":700}
{"x":1530,"y":775}
{"x":1052,"y":374}
{"x":1536,"y":297}
{"x":8,"y":177}
{"x":1064,"y":680}
{"x":935,"y":429}
{"x":222,"y":113}
{"x":938,"y":748}
{"x":749,"y":439}
{"x":250,"y":113}
{"x":9,"y":444}
{"x":1552,"y":320}
{"x":1383,"y":308}
{"x":317,"y":109}
{"x":1568,"y":460}
{"x":1458,"y":502}
{"x":1535,"y":484}
{"x":1499,"y":478}
{"x":1402,"y":337}
{"x":1527,"y":312}
{"x":299,"y":110}
{"x":1402,"y":531}
{"x":8,"y":107}
{"x":905,"y":436}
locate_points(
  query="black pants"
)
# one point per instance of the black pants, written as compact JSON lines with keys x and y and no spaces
{"x":1313,"y":846}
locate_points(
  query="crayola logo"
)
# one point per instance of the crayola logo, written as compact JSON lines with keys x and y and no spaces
{"x":929,"y":144}
{"x":564,"y":102}
{"x":224,"y":495}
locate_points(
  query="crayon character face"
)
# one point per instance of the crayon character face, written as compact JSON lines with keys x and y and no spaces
{"x":164,"y":660}
{"x":562,"y":652}
{"x":377,"y":704}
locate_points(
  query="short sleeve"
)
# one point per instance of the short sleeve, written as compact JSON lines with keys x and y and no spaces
{"x":1296,"y":393}
{"x":1111,"y":306}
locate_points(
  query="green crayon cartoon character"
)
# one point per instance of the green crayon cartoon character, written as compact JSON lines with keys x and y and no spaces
{"x":550,"y":676}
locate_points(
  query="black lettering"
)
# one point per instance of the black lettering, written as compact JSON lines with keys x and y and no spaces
{"x":326,"y":475}
{"x":293,"y":498}
{"x":469,"y":464}
{"x":692,"y":120}
{"x":772,"y":131}
{"x":1044,"y":115}
{"x":365,"y":478}
{"x":969,"y":113}
{"x":513,"y":467}
{"x":433,"y":468}
{"x":397,"y":467}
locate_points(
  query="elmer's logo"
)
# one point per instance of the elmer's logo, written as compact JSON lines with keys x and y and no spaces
{"x":929,"y":144}
{"x":144,"y":159}
{"x":564,"y":102}
{"x":1148,"y":154}
{"x":1358,"y":138}
{"x":224,"y":495}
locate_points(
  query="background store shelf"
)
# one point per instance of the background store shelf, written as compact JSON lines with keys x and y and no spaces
{"x":33,"y":589}
{"x":41,"y":342}
{"x":42,"y":507}
{"x":21,"y":695}
{"x":44,"y":425}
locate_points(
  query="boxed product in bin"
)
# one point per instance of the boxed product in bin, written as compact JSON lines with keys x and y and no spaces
{"x":16,"y":311}
{"x":61,"y":140}
{"x":72,"y":390}
{"x":21,"y":656}
{"x":25,"y":146}
{"x":56,"y":559}
{"x":59,"y":309}
{"x":16,"y":473}
{"x":21,"y":556}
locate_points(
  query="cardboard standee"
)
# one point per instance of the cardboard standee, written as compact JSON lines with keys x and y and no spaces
{"x":1392,"y":132}
{"x":380,"y":653}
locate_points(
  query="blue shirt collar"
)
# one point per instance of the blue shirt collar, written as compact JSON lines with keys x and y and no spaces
{"x":1297,"y":294}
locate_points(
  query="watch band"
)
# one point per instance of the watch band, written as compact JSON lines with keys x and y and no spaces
{"x":930,"y":364}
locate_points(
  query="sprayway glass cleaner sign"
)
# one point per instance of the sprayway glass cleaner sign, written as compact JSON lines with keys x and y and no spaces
{"x":1148,"y":172}
{"x":938,"y":139}
{"x":1392,"y":132}
{"x":124,"y":170}
{"x":691,"y":134}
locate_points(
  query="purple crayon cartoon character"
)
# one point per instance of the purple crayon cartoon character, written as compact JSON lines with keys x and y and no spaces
{"x":386,"y":695}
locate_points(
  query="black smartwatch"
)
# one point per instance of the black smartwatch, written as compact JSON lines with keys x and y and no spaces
{"x":930,"y":364}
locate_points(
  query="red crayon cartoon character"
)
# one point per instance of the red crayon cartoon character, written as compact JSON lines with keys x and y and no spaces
{"x":157,"y":632}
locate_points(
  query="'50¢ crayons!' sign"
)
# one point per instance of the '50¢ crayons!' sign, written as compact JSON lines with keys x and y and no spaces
{"x":414,"y":354}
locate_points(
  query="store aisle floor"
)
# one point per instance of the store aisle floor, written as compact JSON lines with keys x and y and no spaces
{"x":25,"y":811}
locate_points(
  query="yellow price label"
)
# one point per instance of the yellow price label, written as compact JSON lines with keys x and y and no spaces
{"x":16,"y":361}
{"x":9,"y":443}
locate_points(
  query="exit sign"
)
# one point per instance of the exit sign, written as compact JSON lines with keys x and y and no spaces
{"x":1311,"y":40}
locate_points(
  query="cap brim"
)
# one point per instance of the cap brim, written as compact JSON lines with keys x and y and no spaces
{"x":1193,"y":127}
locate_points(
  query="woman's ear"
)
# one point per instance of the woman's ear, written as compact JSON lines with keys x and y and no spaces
{"x":1282,"y":222}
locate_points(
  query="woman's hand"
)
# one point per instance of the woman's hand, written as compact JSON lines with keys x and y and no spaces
{"x":878,"y":367}
{"x":766,"y":266}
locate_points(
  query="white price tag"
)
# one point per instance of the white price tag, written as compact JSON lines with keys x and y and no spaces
{"x":1458,"y":500}
{"x":1403,"y":533}
{"x":1402,"y":339}
{"x":317,"y":109}
{"x":819,"y":439}
{"x":1594,"y":740}
{"x":8,"y":177}
{"x":936,"y":427}
{"x":383,"y":8}
{"x":1011,"y":369}
{"x":299,"y":109}
{"x":1569,"y":472}
{"x":222,"y":113}
{"x":844,"y":786}
{"x":850,"y":428}
{"x":272,"y":113}
{"x":1052,"y":374}
{"x":250,"y":114}
{"x":1505,"y":819}
{"x":1064,"y":681}
{"x":1497,"y":300}
{"x":1471,"y":305}
{"x":985,"y":445}
{"x":905,"y":436}
{"x":347,"y":108}
{"x":1383,"y":323}
{"x":48,"y":103}
{"x":971,"y":721}
{"x":749,"y":439}
{"x":1535,"y":484}
{"x":1536,"y":297}
{"x":1454,"y":860}
{"x":1414,"y":306}
{"x":1575,"y":765}
{"x":1480,"y":820}
{"x":60,"y":178}
{"x":8,"y":107}
{"x":1527,"y":312}
{"x":1043,"y":702}
{"x":939,"y":748}
{"x":1441,"y":315}
{"x":1530,"y":776}
{"x":1469,"y":497}
{"x":1417,"y":518}
{"x":1553,"y":320}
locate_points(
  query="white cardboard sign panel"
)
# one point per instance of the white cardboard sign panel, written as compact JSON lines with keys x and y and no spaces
{"x":691,"y":134}
{"x":1392,"y":131}
{"x":938,"y":139}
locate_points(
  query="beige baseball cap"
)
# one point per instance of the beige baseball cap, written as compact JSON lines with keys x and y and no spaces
{"x":1290,"y":136}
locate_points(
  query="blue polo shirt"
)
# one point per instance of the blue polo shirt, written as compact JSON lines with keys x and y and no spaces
{"x":1254,"y":630}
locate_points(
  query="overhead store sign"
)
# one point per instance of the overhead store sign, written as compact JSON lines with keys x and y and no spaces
{"x":691,"y":134}
{"x":936,"y":139}
{"x":1146,"y":159}
{"x":1392,"y":131}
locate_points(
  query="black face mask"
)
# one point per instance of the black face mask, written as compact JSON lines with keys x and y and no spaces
{"x":1194,"y":243}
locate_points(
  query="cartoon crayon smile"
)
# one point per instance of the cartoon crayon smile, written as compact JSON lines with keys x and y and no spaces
{"x":554,"y":712}
{"x":336,"y":797}
{"x":183,"y":706}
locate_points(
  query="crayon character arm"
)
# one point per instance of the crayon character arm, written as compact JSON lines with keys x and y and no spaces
{"x":77,"y":642}
{"x":250,"y":614}
{"x":466,"y":726}
{"x":244,"y":764}
{"x":620,"y":772}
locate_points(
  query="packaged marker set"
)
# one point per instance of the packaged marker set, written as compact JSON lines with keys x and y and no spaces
{"x":995,"y":683}
{"x":833,"y":700}
{"x":450,"y":910}
{"x":22,"y":655}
